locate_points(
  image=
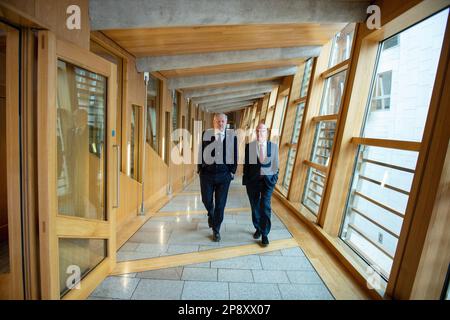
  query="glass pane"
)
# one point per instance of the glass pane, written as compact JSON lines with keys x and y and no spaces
{"x":293,"y":149}
{"x":279,"y":118}
{"x":4,"y":235}
{"x":333,"y":90}
{"x":174,"y":110}
{"x":314,"y":187}
{"x":153,"y":110}
{"x":377,"y":203}
{"x":323,"y":142}
{"x":306,"y":78}
{"x":289,"y":167}
{"x":78,"y":255}
{"x":133,"y":144}
{"x":342,"y":45}
{"x":404,"y":81}
{"x":298,"y":123}
{"x":81,"y":122}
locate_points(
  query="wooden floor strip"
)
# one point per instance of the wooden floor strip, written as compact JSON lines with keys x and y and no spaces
{"x":200,"y":257}
{"x":193,"y":212}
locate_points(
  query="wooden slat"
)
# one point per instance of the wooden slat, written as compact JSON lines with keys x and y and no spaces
{"x":391,"y":144}
{"x":328,"y":117}
{"x":315,"y":166}
{"x":235,"y":67}
{"x":71,"y":227}
{"x":336,"y":69}
{"x":200,"y":257}
{"x":197,"y":39}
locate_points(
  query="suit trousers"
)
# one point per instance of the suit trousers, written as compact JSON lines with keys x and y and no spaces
{"x":214,"y":188}
{"x":260,"y":195}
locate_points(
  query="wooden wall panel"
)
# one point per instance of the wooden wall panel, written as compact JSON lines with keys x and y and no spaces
{"x":50,"y":15}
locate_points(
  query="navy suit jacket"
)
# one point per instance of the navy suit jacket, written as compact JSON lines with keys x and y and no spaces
{"x":229,"y":147}
{"x":252,"y":165}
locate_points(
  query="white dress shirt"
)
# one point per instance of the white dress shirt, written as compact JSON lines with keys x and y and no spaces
{"x":219,"y":134}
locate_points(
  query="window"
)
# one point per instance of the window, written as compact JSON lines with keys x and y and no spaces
{"x":153,"y":113}
{"x":134,"y":150}
{"x":278,"y":118}
{"x":175,"y":110}
{"x":342,"y":45}
{"x":306,"y":78}
{"x":382,"y":178}
{"x":334,"y":88}
{"x":86,"y":254}
{"x":120,"y":63}
{"x":297,"y":125}
{"x":381,"y":98}
{"x":323,"y":140}
{"x":326,"y":121}
{"x":81,"y":141}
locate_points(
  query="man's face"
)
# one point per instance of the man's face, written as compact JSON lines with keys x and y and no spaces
{"x":261,"y":133}
{"x":220,"y":123}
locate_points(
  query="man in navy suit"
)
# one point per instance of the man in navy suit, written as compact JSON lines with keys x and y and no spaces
{"x":260,"y":176}
{"x":217,"y":166}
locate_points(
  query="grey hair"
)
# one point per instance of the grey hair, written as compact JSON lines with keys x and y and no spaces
{"x":217,"y":115}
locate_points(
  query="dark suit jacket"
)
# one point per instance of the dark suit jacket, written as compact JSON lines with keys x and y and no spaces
{"x":229,"y":148}
{"x":252,"y":165}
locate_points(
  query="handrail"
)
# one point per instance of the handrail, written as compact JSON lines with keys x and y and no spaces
{"x":384,"y":164}
{"x":392,"y":233}
{"x":379,"y":204}
{"x":388,"y":186}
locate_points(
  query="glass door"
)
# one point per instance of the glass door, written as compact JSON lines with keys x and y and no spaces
{"x":78,"y":168}
{"x":11,"y":283}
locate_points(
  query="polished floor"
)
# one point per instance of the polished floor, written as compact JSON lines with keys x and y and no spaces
{"x":181,"y":227}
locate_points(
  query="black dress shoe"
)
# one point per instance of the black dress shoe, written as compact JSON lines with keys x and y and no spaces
{"x":257,"y":234}
{"x":265,"y":241}
{"x":216,"y":237}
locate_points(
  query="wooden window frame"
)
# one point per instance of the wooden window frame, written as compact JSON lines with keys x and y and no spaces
{"x":347,"y":141}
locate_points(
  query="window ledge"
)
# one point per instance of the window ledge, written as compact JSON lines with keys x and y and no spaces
{"x":351,"y":261}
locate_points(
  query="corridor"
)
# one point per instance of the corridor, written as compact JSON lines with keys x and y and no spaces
{"x":281,"y":271}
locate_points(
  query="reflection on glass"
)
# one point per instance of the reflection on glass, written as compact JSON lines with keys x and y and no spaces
{"x":293,"y":147}
{"x":342,"y":45}
{"x":323,"y":142}
{"x":4,"y":235}
{"x":404,"y":81}
{"x":333,"y":90}
{"x":377,"y":203}
{"x":81,"y":122}
{"x":278,"y":117}
{"x":78,"y":255}
{"x":133,"y":144}
{"x":306,"y":78}
{"x":312,"y":195}
{"x":153,"y":112}
{"x":174,"y":110}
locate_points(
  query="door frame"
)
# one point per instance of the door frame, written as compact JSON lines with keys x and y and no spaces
{"x":13,"y":280}
{"x":53,"y":226}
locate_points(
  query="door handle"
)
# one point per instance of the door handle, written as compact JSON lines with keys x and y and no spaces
{"x":117,"y":147}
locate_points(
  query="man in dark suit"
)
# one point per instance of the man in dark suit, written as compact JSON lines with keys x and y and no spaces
{"x":217,"y":166}
{"x":260,"y":176}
